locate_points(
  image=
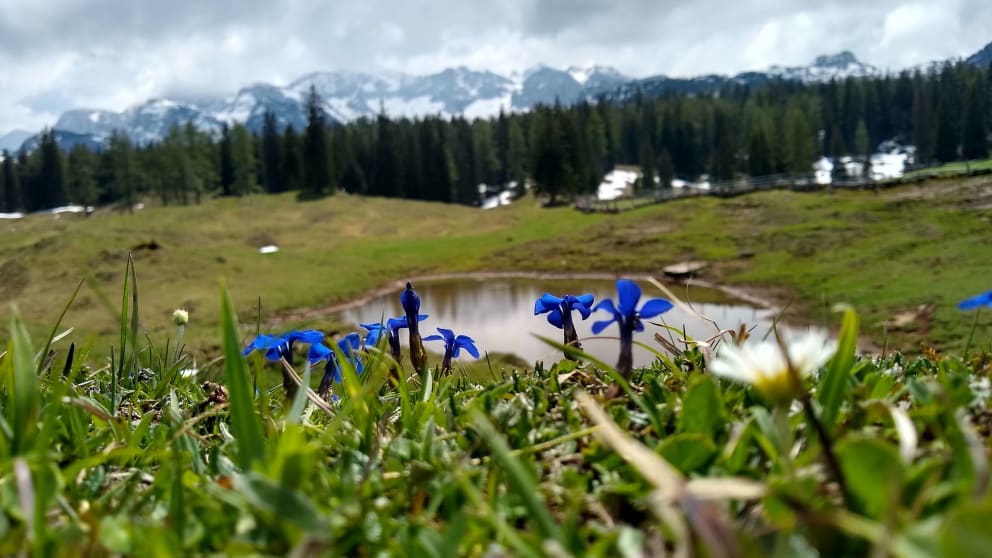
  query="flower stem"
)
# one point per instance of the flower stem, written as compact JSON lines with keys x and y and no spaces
{"x":418,"y":355}
{"x":625,"y":363}
{"x":568,"y":329}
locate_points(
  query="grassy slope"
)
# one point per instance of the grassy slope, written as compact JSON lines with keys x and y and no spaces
{"x":884,"y":253}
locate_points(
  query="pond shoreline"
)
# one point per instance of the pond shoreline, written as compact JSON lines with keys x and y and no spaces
{"x":753,"y":296}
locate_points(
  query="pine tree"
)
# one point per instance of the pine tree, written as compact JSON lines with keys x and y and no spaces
{"x":243,"y":160}
{"x":516,"y":153}
{"x":861,"y":142}
{"x":82,"y":185}
{"x":50,"y":186}
{"x":123,"y":177}
{"x":946,"y":140}
{"x":4,"y":156}
{"x":226,"y":163}
{"x":272,"y":155}
{"x":292,"y":160}
{"x":759,"y":152}
{"x":666,"y":170}
{"x":316,"y":163}
{"x":800,"y":142}
{"x":923,"y":122}
{"x":724,"y":147}
{"x":974,"y":141}
{"x":388,"y":177}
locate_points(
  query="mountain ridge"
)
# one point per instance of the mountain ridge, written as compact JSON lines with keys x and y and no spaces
{"x":452,"y":92}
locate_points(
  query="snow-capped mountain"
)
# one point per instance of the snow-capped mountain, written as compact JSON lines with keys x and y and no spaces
{"x":825,"y":68}
{"x":460,"y":91}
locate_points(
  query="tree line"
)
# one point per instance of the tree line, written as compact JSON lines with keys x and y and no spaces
{"x":778,"y":127}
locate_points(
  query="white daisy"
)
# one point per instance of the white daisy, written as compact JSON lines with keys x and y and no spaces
{"x":763,"y":364}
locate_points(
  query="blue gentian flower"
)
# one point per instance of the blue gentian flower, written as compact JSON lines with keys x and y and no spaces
{"x":391,"y":330}
{"x":281,"y":346}
{"x":411,"y":308}
{"x":628,"y":317}
{"x":453,"y":345}
{"x":559,"y":311}
{"x":348,"y":346}
{"x":984,"y":299}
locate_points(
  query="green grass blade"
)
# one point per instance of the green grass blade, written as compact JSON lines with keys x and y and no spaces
{"x":245,"y":423}
{"x":300,"y":399}
{"x":134,"y":313}
{"x":521,"y":481}
{"x":25,"y":396}
{"x":834,"y":385}
{"x":58,"y":322}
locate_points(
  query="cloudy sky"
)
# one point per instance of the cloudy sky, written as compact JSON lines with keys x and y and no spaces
{"x":61,"y":54}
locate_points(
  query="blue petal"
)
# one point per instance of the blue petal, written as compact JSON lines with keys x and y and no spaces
{"x":410,"y":300}
{"x":263,"y":341}
{"x":372,"y":339}
{"x":654,"y":307}
{"x":638,"y":326}
{"x":554,"y":318}
{"x":433,"y":338}
{"x":584,"y":305}
{"x":305,"y":336}
{"x":467,"y":343}
{"x":449,"y":335}
{"x":317,"y":353}
{"x":350,"y":342}
{"x":628,"y":293}
{"x":607,"y":304}
{"x":984,"y":299}
{"x":546,"y":303}
{"x":277,"y":352}
{"x":598,"y":327}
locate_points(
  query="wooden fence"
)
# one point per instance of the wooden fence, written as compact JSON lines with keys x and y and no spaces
{"x":741,"y":186}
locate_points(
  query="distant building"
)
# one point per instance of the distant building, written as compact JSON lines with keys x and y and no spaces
{"x":823,"y":170}
{"x":619,"y":182}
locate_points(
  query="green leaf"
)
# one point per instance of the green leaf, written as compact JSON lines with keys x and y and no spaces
{"x":702,"y":408}
{"x":835,"y":384}
{"x":285,"y":504}
{"x":245,"y":424}
{"x":966,"y":532}
{"x":687,"y":452}
{"x":874,"y":474}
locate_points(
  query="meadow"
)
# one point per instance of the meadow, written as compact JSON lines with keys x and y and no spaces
{"x":107,"y":447}
{"x":902,"y":257}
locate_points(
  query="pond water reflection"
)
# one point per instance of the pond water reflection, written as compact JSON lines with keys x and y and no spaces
{"x":499,"y":314}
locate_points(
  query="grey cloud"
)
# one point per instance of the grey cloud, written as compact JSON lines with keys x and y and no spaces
{"x":106,"y":53}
